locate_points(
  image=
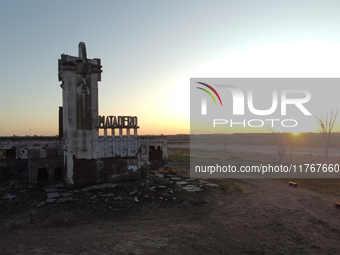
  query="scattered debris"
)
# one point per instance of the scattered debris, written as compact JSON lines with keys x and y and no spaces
{"x":60,"y":185}
{"x":41,"y":203}
{"x":50,"y":189}
{"x":154,"y":186}
{"x":149,"y":196}
{"x":181,"y":182}
{"x":53,"y":195}
{"x":134,"y":192}
{"x":9,"y":196}
{"x":192,"y":188}
{"x":294,"y":184}
{"x":107,"y":195}
{"x":175,"y":179}
{"x":165,"y":196}
{"x":51,"y":200}
{"x":100,"y":186}
{"x":64,"y":199}
{"x":66,"y":194}
{"x":145,"y":184}
{"x":212,"y":185}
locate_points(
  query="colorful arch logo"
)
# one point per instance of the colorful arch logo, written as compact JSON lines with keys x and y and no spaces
{"x":213,"y":90}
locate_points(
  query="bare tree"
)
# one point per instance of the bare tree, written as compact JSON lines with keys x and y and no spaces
{"x":224,"y":142}
{"x":282,"y":141}
{"x":291,"y":143}
{"x":280,"y":146}
{"x":325,"y":126}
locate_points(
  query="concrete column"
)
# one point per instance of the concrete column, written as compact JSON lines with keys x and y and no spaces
{"x":121,"y":141}
{"x":105,"y":142}
{"x":136,"y":141}
{"x":113,"y":143}
{"x":79,"y":77}
{"x":128,"y":142}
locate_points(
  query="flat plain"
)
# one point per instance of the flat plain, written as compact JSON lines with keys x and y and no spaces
{"x":239,"y":216}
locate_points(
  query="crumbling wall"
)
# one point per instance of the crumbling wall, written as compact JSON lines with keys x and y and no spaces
{"x":92,"y":171}
{"x":28,"y":147}
{"x":115,"y":166}
{"x":19,"y":151}
{"x":117,"y":147}
{"x":52,"y":166}
{"x":153,"y":151}
{"x":84,"y":172}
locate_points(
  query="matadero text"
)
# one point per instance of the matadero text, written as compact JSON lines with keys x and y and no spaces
{"x":117,"y":122}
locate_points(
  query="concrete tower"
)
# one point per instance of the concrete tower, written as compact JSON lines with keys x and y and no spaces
{"x":79,"y":77}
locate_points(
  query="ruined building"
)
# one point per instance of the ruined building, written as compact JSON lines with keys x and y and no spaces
{"x":79,"y":155}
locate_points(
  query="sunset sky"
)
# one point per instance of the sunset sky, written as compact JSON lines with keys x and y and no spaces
{"x":150,"y":49}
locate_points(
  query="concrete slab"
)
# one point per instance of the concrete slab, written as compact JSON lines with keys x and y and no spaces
{"x":66,"y":194}
{"x":53,"y":195}
{"x":50,"y":189}
{"x":60,"y":185}
{"x":212,"y":185}
{"x":50,"y":200}
{"x":175,"y":179}
{"x":192,"y":188}
{"x":195,"y":189}
{"x":64,"y":199}
{"x":107,"y":195}
{"x":181,"y":182}
{"x":41,"y":204}
{"x":9,"y":196}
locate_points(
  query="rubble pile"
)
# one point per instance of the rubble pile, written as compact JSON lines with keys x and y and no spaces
{"x":155,"y":186}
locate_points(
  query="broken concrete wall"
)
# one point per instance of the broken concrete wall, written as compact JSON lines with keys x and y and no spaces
{"x":18,"y":151}
{"x":84,"y":172}
{"x":53,"y":168}
{"x":92,"y":171}
{"x":153,"y":151}
{"x":27,"y":147}
{"x":117,"y":146}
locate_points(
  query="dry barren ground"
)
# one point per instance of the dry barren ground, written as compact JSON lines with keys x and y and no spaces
{"x":248,"y":216}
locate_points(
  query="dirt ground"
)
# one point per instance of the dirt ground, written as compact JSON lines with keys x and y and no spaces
{"x":257,"y":216}
{"x":248,"y":216}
